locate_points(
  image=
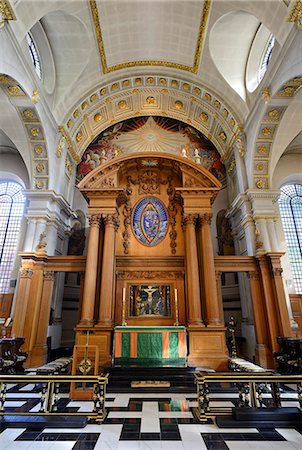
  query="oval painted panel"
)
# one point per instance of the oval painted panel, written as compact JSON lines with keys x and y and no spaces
{"x":150,"y":221}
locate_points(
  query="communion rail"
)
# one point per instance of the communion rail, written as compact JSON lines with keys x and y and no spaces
{"x":253,"y":390}
{"x":50,"y":390}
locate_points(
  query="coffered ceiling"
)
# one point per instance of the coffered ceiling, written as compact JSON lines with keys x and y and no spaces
{"x":94,"y":42}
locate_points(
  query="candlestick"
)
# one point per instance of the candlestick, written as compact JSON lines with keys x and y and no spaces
{"x":124,"y":323}
{"x":176,"y":324}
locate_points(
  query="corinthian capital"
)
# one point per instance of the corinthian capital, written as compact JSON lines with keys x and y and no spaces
{"x":94,"y":220}
{"x":111,"y":220}
{"x":205,"y":219}
{"x":26,"y":273}
{"x":49,"y":275}
{"x":189,"y":219}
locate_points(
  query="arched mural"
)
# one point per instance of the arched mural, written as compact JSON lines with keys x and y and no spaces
{"x":145,"y":134}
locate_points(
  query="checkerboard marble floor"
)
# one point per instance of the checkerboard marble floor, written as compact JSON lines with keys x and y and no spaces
{"x":139,"y":421}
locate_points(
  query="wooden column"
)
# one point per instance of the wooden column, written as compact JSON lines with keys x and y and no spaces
{"x":107,"y":289}
{"x":269,"y":300}
{"x":87,"y":313}
{"x":213,"y":305}
{"x":281,"y":304}
{"x":25,"y":279}
{"x":38,"y":339}
{"x":192,"y":273}
{"x":263,"y":354}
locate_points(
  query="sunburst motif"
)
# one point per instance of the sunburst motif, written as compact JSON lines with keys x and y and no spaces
{"x":151,"y":138}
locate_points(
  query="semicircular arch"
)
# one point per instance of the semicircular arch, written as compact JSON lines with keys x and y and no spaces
{"x":33,"y":127}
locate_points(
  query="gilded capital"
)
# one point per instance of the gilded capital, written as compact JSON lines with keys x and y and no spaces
{"x":26,"y":273}
{"x":94,"y":220}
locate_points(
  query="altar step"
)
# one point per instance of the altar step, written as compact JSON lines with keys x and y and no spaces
{"x":181,"y":379}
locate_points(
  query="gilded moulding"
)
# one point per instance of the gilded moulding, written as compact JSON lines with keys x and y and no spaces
{"x":69,"y":144}
{"x":266,"y":134}
{"x":199,"y":44}
{"x":295,"y":14}
{"x":6,"y":12}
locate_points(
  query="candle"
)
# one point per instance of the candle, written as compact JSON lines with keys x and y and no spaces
{"x":124,"y":324}
{"x":176,"y":308}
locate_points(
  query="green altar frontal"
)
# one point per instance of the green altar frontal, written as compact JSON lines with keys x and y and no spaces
{"x":150,"y":346}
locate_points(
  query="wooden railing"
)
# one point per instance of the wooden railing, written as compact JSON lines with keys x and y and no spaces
{"x":251,"y":389}
{"x":50,"y":391}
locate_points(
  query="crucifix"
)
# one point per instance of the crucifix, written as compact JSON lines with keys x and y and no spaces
{"x":150,"y":291}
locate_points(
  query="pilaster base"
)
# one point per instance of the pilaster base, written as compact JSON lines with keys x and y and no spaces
{"x":207,"y":348}
{"x":36,"y":357}
{"x":264,"y":356}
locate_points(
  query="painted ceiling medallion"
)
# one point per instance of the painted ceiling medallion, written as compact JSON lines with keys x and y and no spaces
{"x":150,"y":221}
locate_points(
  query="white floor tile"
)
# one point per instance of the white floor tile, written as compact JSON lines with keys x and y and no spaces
{"x":221,"y":404}
{"x":290,"y":435}
{"x":13,"y":404}
{"x":110,"y":433}
{"x":150,"y":425}
{"x":27,"y":387}
{"x":10,"y":434}
{"x":62,"y":445}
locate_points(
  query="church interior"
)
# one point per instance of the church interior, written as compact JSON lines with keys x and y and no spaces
{"x":150,"y":224}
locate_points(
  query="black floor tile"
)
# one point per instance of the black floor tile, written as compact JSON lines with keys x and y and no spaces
{"x":150,"y":436}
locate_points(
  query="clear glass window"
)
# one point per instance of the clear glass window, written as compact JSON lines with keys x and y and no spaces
{"x":34,"y":54}
{"x":12,"y":202}
{"x":290,"y":204}
{"x":266,"y":58}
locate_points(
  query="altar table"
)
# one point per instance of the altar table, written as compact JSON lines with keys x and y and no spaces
{"x":150,"y":346}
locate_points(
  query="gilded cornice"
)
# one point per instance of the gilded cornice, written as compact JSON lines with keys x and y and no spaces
{"x":107,"y":69}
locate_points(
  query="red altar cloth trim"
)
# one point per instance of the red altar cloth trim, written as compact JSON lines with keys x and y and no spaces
{"x":133,"y":345}
{"x":118,"y":345}
{"x":165,"y":343}
{"x":182,"y":345}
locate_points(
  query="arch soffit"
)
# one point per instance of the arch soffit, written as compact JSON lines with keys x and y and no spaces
{"x":29,"y":117}
{"x":193,"y":176}
{"x":276,"y":106}
{"x":151,"y":95}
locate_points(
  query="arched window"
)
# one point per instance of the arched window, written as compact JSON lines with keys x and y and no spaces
{"x":267,"y":54}
{"x":11,"y":211}
{"x":34,"y":54}
{"x":290,"y":203}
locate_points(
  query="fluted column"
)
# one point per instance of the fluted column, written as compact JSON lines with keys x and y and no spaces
{"x":108,"y":271}
{"x":209,"y":278}
{"x":192,"y":278}
{"x":87,"y":313}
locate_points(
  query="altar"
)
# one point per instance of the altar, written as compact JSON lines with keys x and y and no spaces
{"x":147,"y":346}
